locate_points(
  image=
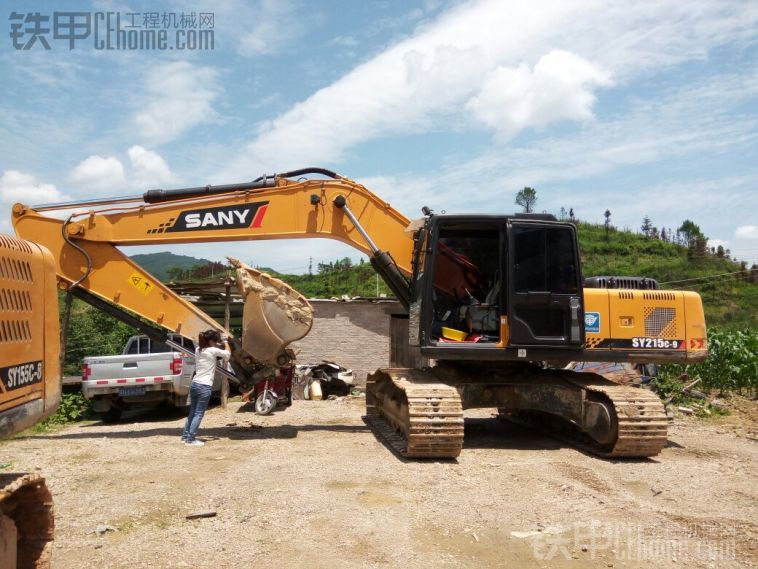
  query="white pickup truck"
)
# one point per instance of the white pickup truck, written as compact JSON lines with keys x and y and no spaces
{"x":147,"y":372}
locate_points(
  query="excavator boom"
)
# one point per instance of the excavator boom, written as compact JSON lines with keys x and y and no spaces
{"x":86,"y":244}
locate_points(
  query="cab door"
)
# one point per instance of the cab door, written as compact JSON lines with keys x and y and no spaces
{"x":544,"y":292}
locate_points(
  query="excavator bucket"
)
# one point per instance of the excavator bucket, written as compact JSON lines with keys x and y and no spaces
{"x":275,"y":315}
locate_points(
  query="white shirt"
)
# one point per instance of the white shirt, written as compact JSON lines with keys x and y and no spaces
{"x":205,"y":364}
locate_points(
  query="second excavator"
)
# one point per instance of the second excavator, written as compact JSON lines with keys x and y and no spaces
{"x":496,"y":304}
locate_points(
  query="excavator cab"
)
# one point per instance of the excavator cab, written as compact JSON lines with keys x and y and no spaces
{"x":496,"y":287}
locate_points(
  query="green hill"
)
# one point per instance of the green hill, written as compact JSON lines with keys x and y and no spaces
{"x":338,"y":278}
{"x":159,"y":264}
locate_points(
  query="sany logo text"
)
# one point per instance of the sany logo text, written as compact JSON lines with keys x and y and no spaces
{"x":194,"y":220}
{"x":225,"y":217}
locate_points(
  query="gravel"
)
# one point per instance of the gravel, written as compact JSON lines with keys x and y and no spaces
{"x":310,"y":486}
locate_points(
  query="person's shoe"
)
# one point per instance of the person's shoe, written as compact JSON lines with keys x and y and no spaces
{"x":195,"y":443}
{"x":184,"y":439}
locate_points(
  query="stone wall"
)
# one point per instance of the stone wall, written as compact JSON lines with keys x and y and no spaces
{"x":354,"y":334}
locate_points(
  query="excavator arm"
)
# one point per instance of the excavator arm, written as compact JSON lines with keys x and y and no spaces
{"x":86,"y":244}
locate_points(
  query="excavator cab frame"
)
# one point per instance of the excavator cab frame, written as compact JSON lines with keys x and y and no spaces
{"x":516,"y":288}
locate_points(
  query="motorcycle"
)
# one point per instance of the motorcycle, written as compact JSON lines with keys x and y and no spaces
{"x":270,"y":392}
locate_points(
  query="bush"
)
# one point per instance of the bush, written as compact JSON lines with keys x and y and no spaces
{"x":732,"y":363}
{"x":73,"y":407}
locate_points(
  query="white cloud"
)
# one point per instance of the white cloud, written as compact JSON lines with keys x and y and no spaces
{"x":178,"y":96}
{"x":98,"y":173}
{"x":17,"y":186}
{"x":148,"y":168}
{"x":559,"y":87}
{"x":345,"y":41}
{"x":273,"y":25}
{"x":463,"y":57}
{"x":746,"y":232}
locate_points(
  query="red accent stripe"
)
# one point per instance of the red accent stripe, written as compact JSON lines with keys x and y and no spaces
{"x":120,"y":381}
{"x":102,"y":382}
{"x":156,"y":379}
{"x":258,"y":219}
{"x":140,"y":380}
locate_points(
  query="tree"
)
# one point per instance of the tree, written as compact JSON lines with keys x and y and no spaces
{"x":92,"y":332}
{"x":177,"y":274}
{"x":720,"y":251}
{"x":571,"y":215}
{"x":647,"y":225}
{"x":607,"y":215}
{"x":526,"y":198}
{"x":563,"y":213}
{"x":664,"y":235}
{"x":690,"y":231}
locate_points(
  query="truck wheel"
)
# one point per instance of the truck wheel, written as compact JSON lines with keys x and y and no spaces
{"x":265,"y":403}
{"x":112,"y":415}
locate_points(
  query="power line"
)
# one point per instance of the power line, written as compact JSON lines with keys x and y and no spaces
{"x":710,"y":277}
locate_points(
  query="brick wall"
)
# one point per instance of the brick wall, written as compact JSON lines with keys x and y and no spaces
{"x":354,"y":334}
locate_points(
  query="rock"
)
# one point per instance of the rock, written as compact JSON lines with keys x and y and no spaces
{"x":201,"y":514}
{"x":718,"y":404}
{"x":99,"y":546}
{"x":103,"y":528}
{"x":584,"y":548}
{"x":696,"y":393}
{"x":685,"y":410}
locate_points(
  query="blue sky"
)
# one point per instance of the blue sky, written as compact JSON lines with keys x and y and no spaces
{"x":640,"y":108}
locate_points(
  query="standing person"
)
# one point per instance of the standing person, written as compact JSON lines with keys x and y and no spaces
{"x":206,"y":355}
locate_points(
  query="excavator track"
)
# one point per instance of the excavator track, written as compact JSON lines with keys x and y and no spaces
{"x":416,"y":415}
{"x":26,"y":514}
{"x":640,"y":418}
{"x":420,"y":416}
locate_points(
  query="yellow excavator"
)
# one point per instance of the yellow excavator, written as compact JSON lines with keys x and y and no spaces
{"x":496,"y":305}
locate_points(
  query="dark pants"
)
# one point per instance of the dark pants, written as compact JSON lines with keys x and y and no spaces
{"x":200,"y":395}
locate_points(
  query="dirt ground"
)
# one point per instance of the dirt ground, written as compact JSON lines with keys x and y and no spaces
{"x":310,"y":486}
